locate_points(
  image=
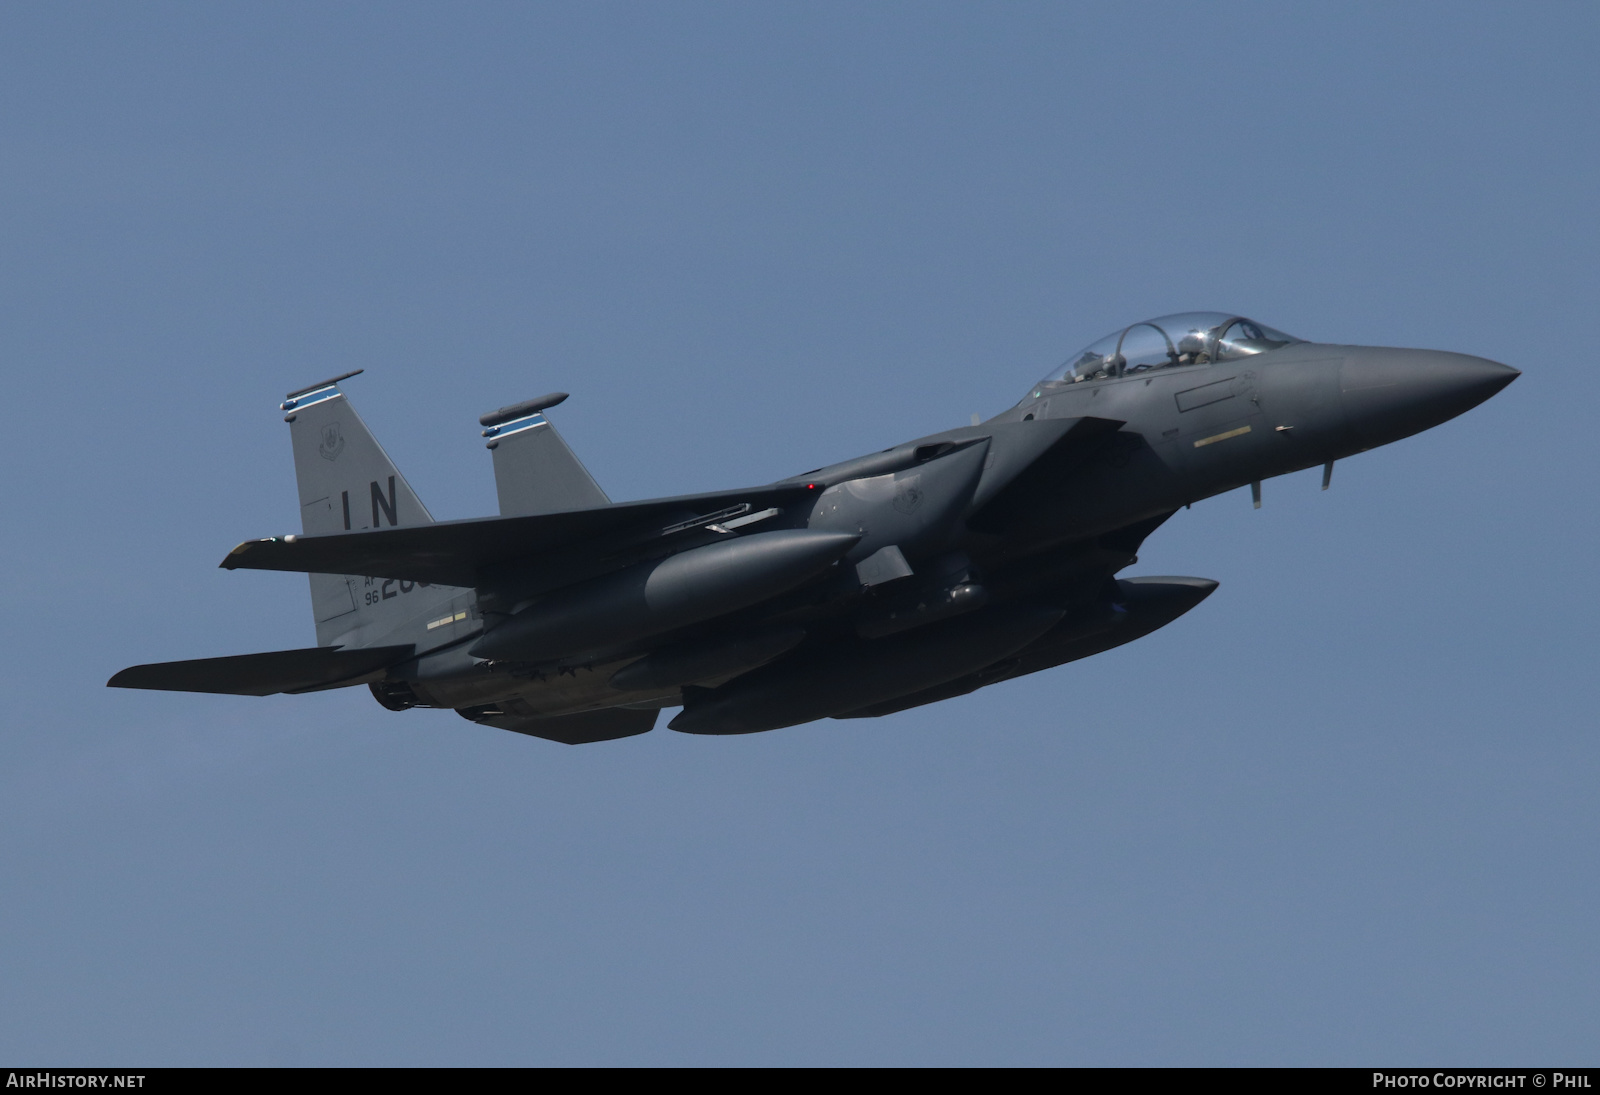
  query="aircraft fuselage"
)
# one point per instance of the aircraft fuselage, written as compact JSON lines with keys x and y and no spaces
{"x":898,"y":578}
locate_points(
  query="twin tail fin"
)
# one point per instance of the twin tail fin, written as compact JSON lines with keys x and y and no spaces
{"x":348,"y":484}
{"x":534,"y":469}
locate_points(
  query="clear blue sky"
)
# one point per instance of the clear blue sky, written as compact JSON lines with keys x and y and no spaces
{"x":1345,"y":812}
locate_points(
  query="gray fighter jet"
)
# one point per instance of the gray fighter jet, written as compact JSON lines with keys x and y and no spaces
{"x":903,"y":577}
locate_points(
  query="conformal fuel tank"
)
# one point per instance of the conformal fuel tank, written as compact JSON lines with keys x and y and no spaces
{"x":659,"y":596}
{"x":847,"y":676}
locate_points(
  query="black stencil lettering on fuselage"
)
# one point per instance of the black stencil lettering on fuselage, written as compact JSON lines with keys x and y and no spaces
{"x":386,"y":505}
{"x":344,"y":495}
{"x":387,"y":592}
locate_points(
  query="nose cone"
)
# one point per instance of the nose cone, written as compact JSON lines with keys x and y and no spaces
{"x":1390,"y":394}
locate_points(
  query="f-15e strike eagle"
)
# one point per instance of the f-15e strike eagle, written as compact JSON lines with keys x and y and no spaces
{"x":903,"y":577}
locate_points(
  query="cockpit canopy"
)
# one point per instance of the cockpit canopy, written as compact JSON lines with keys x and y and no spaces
{"x":1187,"y":338}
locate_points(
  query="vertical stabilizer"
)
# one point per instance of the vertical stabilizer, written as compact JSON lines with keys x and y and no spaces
{"x":347,"y":484}
{"x":534,"y":470}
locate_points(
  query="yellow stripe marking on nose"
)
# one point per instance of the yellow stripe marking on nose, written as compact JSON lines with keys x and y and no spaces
{"x":1242,"y":430}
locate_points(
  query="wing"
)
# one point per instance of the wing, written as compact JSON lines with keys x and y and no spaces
{"x":457,"y":552}
{"x":1146,"y":605}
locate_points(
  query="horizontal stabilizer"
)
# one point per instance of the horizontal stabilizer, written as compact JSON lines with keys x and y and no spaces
{"x":456,"y":552}
{"x":307,"y":670}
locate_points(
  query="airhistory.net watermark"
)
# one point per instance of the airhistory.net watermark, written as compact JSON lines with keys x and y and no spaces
{"x":42,"y":1078}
